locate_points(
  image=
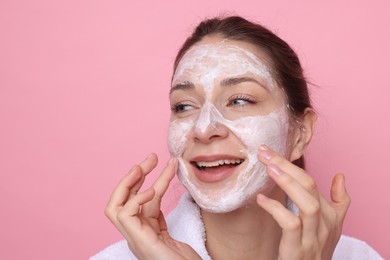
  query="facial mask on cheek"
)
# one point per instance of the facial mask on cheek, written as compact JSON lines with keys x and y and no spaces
{"x":252,"y":131}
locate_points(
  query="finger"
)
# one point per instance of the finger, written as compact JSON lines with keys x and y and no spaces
{"x":161,"y":185}
{"x":126,"y":219}
{"x":132,"y":207}
{"x":146,"y":167}
{"x":339,"y":196}
{"x":129,"y":185}
{"x":291,"y":225}
{"x":308,"y":204}
{"x":121,"y":193}
{"x":149,"y":163}
{"x":267,"y":156}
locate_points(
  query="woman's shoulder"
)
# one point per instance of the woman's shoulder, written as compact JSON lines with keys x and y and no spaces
{"x":352,"y":248}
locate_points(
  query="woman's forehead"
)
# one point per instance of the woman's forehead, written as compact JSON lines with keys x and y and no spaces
{"x":205,"y":62}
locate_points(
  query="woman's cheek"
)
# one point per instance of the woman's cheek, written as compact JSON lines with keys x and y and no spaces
{"x":177,"y":136}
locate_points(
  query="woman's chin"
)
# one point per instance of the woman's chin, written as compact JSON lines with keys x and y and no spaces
{"x":217,"y":197}
{"x":224,"y":200}
{"x":224,"y":189}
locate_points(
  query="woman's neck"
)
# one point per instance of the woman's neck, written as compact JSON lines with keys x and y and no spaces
{"x":246,"y":233}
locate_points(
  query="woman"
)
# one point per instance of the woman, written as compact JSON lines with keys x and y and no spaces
{"x":241,"y":120}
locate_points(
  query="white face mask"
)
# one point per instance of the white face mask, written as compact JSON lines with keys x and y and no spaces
{"x":203,"y":65}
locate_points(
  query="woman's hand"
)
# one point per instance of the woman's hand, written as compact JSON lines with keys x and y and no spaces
{"x":139,"y":218}
{"x":315,"y":232}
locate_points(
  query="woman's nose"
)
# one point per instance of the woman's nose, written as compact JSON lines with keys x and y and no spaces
{"x":208,"y":126}
{"x":211,"y":133}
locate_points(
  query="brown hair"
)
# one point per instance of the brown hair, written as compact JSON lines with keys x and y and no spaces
{"x":285,"y":63}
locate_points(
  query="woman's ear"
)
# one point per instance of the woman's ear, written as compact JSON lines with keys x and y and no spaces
{"x":302,"y":133}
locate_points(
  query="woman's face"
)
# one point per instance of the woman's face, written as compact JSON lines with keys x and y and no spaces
{"x":225,"y":103}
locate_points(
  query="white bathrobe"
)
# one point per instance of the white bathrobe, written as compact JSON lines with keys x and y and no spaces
{"x":185,"y":225}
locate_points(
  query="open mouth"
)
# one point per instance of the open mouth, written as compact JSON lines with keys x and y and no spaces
{"x":217,"y":165}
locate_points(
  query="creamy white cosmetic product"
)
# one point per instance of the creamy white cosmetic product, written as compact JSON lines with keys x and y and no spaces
{"x":203,"y":64}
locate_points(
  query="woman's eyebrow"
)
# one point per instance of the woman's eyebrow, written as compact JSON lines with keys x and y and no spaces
{"x":237,"y":80}
{"x":186,"y":85}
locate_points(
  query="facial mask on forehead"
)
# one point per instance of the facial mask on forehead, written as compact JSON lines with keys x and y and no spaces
{"x":202,"y":65}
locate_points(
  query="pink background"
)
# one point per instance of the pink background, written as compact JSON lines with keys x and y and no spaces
{"x":84,"y":96}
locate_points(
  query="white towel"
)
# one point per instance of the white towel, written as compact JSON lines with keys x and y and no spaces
{"x":185,"y":224}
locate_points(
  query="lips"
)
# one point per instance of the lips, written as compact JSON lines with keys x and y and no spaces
{"x":202,"y":165}
{"x":215,"y":168}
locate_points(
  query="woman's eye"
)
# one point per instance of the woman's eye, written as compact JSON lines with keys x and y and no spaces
{"x":180,"y":108}
{"x":240,"y":101}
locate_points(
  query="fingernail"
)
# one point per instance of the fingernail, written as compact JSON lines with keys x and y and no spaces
{"x":263,"y":147}
{"x":275,"y":170}
{"x":149,"y":156}
{"x":261,"y":197}
{"x":265,"y":154}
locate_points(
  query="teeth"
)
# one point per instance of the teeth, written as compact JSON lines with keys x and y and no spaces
{"x":218,"y":163}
